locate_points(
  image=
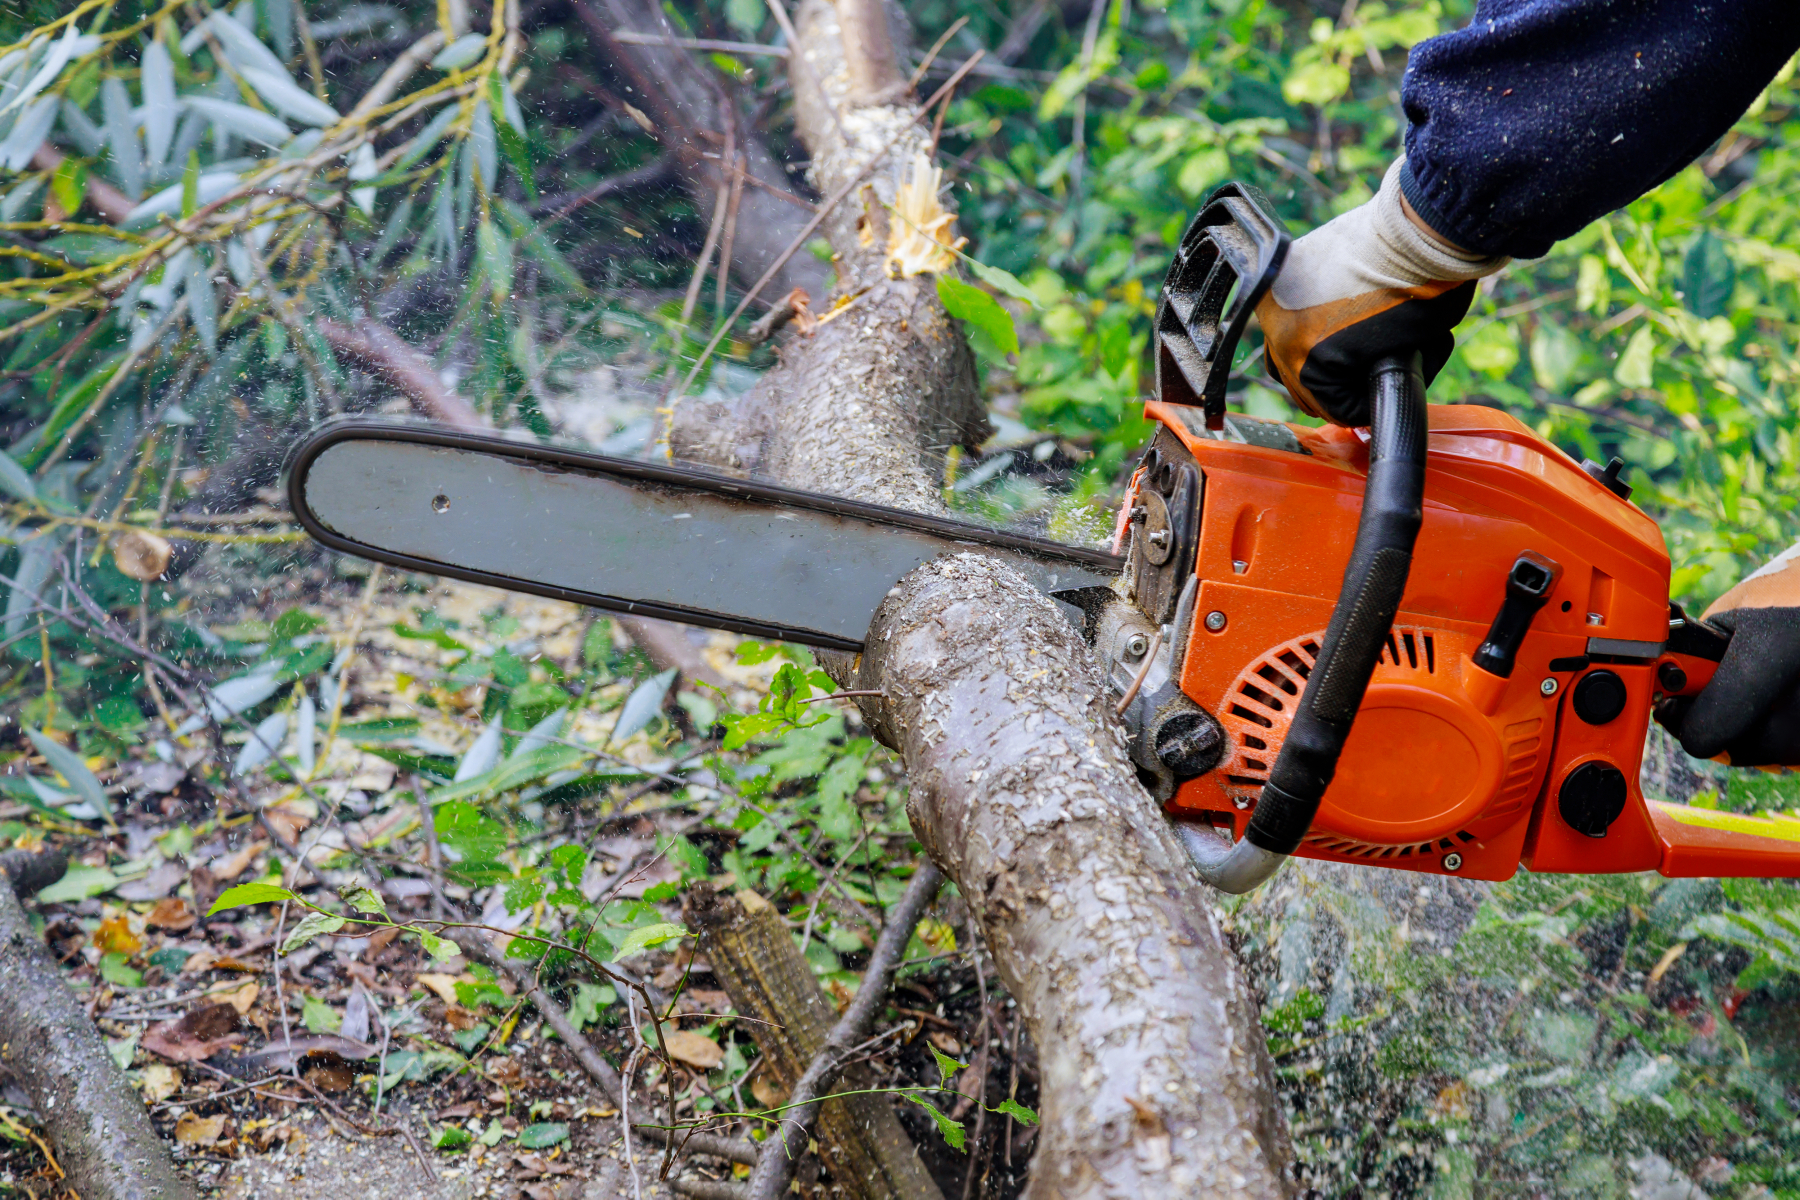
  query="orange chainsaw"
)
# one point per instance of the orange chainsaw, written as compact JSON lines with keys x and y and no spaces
{"x":1432,"y":644}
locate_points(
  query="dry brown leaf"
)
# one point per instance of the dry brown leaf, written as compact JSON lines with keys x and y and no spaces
{"x":241,"y":997}
{"x":171,"y":913}
{"x":198,"y":1131}
{"x":286,"y":821}
{"x":443,"y":985}
{"x":332,"y":1077}
{"x":233,"y":865}
{"x":197,"y":1034}
{"x":944,"y":1041}
{"x":766,"y":1093}
{"x":458,"y":1017}
{"x":142,"y":556}
{"x":159,"y":1081}
{"x":199,"y":962}
{"x":114,"y":936}
{"x":694,"y":1049}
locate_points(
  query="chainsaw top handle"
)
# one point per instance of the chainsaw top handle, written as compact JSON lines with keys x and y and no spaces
{"x":1380,"y":561}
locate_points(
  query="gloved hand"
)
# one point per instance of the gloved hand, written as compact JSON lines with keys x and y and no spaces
{"x":1371,"y":283}
{"x":1751,"y":708}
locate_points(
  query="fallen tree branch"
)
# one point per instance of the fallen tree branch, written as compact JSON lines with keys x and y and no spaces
{"x":753,"y":955}
{"x":775,"y":1169}
{"x":405,"y":369}
{"x":563,"y":203}
{"x":105,"y":1144}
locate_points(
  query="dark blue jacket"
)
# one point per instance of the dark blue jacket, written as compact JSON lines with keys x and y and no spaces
{"x":1542,"y":115}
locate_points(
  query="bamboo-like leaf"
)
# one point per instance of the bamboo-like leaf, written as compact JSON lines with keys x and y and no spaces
{"x":263,"y":744}
{"x":85,"y":134}
{"x":240,"y":45}
{"x":643,"y":703}
{"x":242,"y":120}
{"x":540,"y":735}
{"x":15,"y":480}
{"x":28,"y":133}
{"x":485,"y":145}
{"x":278,"y":20}
{"x":306,"y":719}
{"x":29,"y":575}
{"x":314,"y":924}
{"x":203,"y":305}
{"x":13,"y":206}
{"x":207,"y":188}
{"x":362,"y":166}
{"x":460,"y":53}
{"x":289,"y":98}
{"x":121,"y":136}
{"x":482,"y":755}
{"x":68,"y":764}
{"x":61,"y":52}
{"x":160,"y":105}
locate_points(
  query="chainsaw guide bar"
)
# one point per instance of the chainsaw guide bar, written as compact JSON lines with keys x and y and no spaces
{"x":654,"y":539}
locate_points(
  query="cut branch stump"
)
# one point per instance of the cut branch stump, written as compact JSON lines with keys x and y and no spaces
{"x":753,"y":954}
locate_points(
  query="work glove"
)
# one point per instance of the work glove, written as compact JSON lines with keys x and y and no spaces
{"x":1750,"y":711}
{"x":1369,"y":284}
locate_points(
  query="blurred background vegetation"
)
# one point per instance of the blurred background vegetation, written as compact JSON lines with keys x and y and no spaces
{"x":214,"y":209}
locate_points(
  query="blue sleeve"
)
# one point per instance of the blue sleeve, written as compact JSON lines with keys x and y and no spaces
{"x":1543,"y":115}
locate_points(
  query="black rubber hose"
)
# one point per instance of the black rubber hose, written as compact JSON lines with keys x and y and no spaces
{"x":1373,"y":583}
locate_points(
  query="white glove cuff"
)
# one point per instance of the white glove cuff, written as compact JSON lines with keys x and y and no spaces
{"x":1373,"y":247}
{"x":1405,"y":251}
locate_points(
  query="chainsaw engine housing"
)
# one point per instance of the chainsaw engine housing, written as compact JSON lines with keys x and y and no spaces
{"x":1449,"y":767}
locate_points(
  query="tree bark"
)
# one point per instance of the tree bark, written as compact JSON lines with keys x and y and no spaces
{"x":691,"y":112}
{"x":752,"y":951}
{"x":1157,"y":1080}
{"x":94,"y":1119}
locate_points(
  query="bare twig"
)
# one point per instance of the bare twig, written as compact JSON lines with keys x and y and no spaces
{"x":710,"y":45}
{"x":775,"y":1170}
{"x":563,"y":203}
{"x":405,"y":369}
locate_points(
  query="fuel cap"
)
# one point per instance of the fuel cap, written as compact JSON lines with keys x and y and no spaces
{"x":1592,"y":797}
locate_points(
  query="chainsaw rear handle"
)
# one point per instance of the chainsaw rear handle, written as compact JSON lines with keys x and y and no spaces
{"x":1374,"y":580}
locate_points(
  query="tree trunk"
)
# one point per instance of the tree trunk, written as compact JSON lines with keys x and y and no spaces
{"x":1157,"y":1080}
{"x":694,"y":117}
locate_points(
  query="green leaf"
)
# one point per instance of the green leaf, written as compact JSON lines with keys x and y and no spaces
{"x":546,"y":1133}
{"x":1707,"y":277}
{"x":79,"y":883}
{"x":946,"y":1065}
{"x":362,"y":899}
{"x":950,"y":1128}
{"x":1634,"y":369}
{"x":1003,"y":281}
{"x":123,"y":1050}
{"x":14,"y":480}
{"x":190,"y":185}
{"x":969,"y":303}
{"x":644,"y":937}
{"x":440,"y":948}
{"x":250,"y":893}
{"x":116,"y":970}
{"x":1012,"y":1108}
{"x":591,"y":999}
{"x":320,"y":1017}
{"x":69,"y":184}
{"x":314,"y":924}
{"x":1318,"y":82}
{"x":451,"y":1137}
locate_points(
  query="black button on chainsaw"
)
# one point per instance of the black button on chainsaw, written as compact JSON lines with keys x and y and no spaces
{"x":1609,"y":476}
{"x":1672,"y":678}
{"x":1599,"y":697}
{"x":1592,"y":797}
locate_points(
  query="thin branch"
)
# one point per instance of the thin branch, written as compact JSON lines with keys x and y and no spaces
{"x":563,"y":203}
{"x":713,"y":45}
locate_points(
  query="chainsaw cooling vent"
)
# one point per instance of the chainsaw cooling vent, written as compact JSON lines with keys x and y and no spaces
{"x":1260,"y":704}
{"x":1351,"y":848}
